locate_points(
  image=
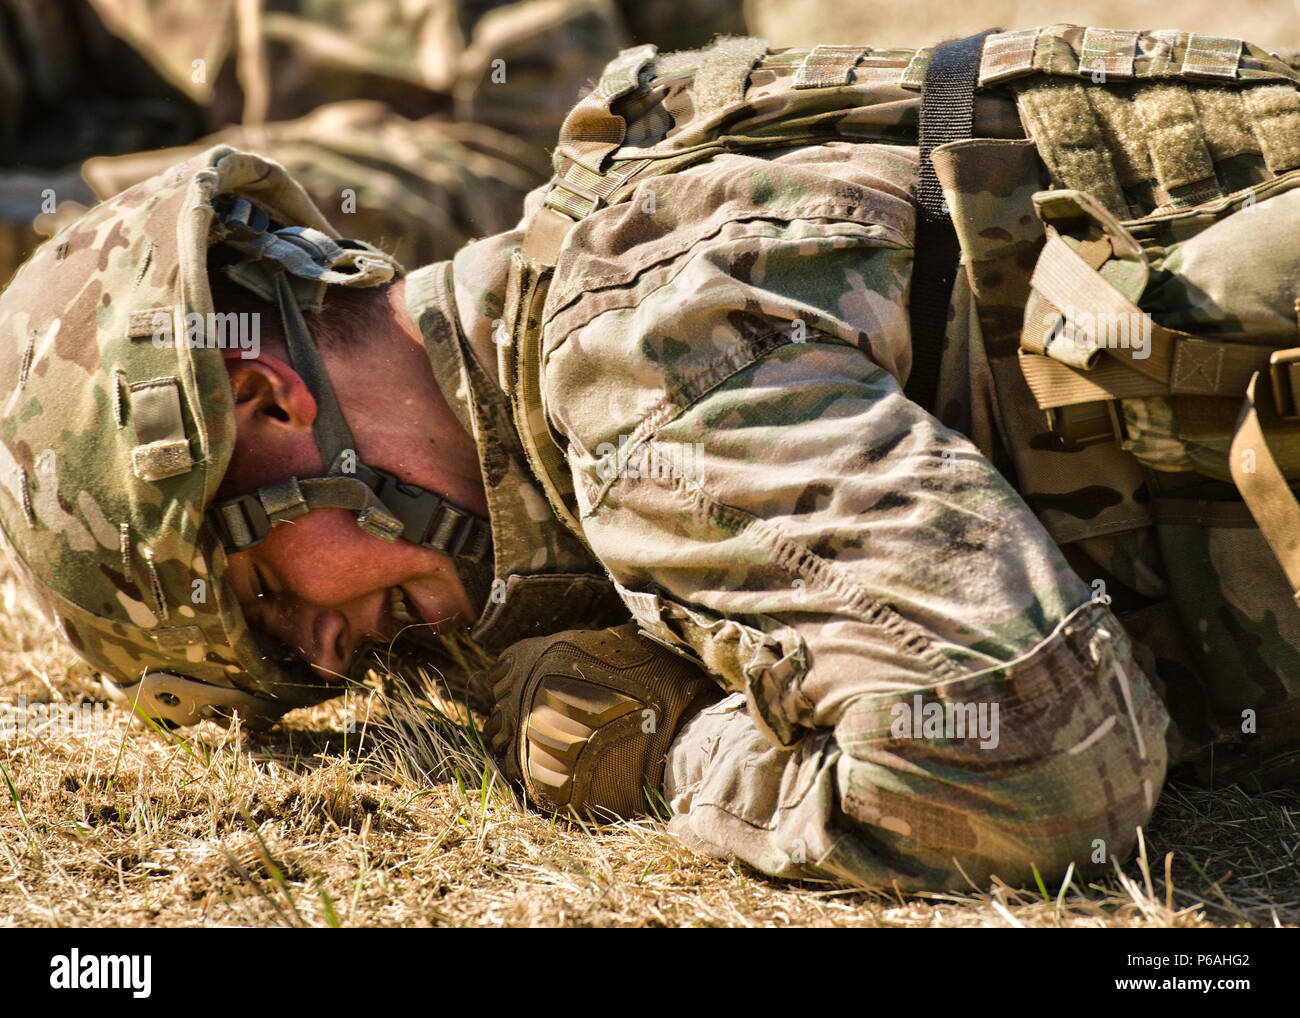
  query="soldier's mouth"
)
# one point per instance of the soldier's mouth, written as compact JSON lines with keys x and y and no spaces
{"x":403,"y":609}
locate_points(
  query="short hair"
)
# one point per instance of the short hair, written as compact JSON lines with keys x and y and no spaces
{"x":347,"y":314}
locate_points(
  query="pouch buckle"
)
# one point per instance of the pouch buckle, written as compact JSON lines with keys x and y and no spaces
{"x":1087,"y":423}
{"x":573,"y":210}
{"x":1284,"y":371}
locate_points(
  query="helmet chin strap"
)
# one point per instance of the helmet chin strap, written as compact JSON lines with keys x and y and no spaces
{"x":385,"y":506}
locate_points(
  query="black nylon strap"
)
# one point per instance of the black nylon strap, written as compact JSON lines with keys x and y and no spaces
{"x":947,"y":114}
{"x":330,"y":428}
{"x":385,"y":506}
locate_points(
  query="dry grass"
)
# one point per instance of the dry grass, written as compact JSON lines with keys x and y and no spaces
{"x":401,"y":821}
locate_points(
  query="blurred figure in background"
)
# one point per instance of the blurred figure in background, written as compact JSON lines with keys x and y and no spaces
{"x":420,"y":125}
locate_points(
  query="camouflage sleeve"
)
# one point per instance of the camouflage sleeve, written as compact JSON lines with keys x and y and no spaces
{"x":723,"y":354}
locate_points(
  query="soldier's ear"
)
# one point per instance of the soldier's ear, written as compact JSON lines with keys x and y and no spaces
{"x":269,"y":395}
{"x":274,"y":411}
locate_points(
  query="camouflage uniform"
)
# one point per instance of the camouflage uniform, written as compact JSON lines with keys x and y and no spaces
{"x":721,"y":355}
{"x":714,"y":403}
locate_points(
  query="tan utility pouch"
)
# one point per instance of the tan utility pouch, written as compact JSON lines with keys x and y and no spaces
{"x":1176,"y":336}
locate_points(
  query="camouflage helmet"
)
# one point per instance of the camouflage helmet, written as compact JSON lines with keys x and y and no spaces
{"x":118,"y":427}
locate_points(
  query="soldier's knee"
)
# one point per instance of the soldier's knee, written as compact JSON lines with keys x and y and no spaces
{"x":1066,"y":759}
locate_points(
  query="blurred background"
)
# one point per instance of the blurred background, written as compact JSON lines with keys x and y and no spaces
{"x":415,"y":124}
{"x":1270,"y":23}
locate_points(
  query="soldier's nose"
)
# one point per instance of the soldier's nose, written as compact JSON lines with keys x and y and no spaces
{"x":332,"y":643}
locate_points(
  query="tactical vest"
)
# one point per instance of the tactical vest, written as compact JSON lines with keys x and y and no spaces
{"x":1122,"y":343}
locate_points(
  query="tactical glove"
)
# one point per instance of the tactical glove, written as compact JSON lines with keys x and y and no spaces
{"x":584,"y":718}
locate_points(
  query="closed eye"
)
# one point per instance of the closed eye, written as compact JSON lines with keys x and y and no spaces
{"x":262,"y":586}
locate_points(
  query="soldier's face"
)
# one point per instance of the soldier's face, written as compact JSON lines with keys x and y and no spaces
{"x":319,"y":584}
{"x":322,"y":586}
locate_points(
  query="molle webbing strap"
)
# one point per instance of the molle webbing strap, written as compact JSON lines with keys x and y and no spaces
{"x":947,"y":115}
{"x":1108,"y":53}
{"x":579,"y":191}
{"x":1199,"y":368}
{"x":723,"y":74}
{"x":1211,"y":56}
{"x":1180,"y":154}
{"x":1160,"y":144}
{"x":1275,"y":116}
{"x":914,"y":73}
{"x":1008,"y":55}
{"x":1073,"y":51}
{"x":1125,"y":133}
{"x":828,"y":66}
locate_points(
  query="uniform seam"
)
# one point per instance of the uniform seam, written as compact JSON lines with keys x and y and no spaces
{"x":825,"y":212}
{"x":803,"y":563}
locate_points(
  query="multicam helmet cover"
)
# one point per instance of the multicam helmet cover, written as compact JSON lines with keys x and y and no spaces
{"x":117,"y":429}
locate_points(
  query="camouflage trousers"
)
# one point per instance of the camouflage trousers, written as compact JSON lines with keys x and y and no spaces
{"x":1052,"y":758}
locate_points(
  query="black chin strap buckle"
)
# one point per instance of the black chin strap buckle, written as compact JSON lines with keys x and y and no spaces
{"x":385,"y":507}
{"x":244,"y":521}
{"x":428,"y":519}
{"x":241,"y":523}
